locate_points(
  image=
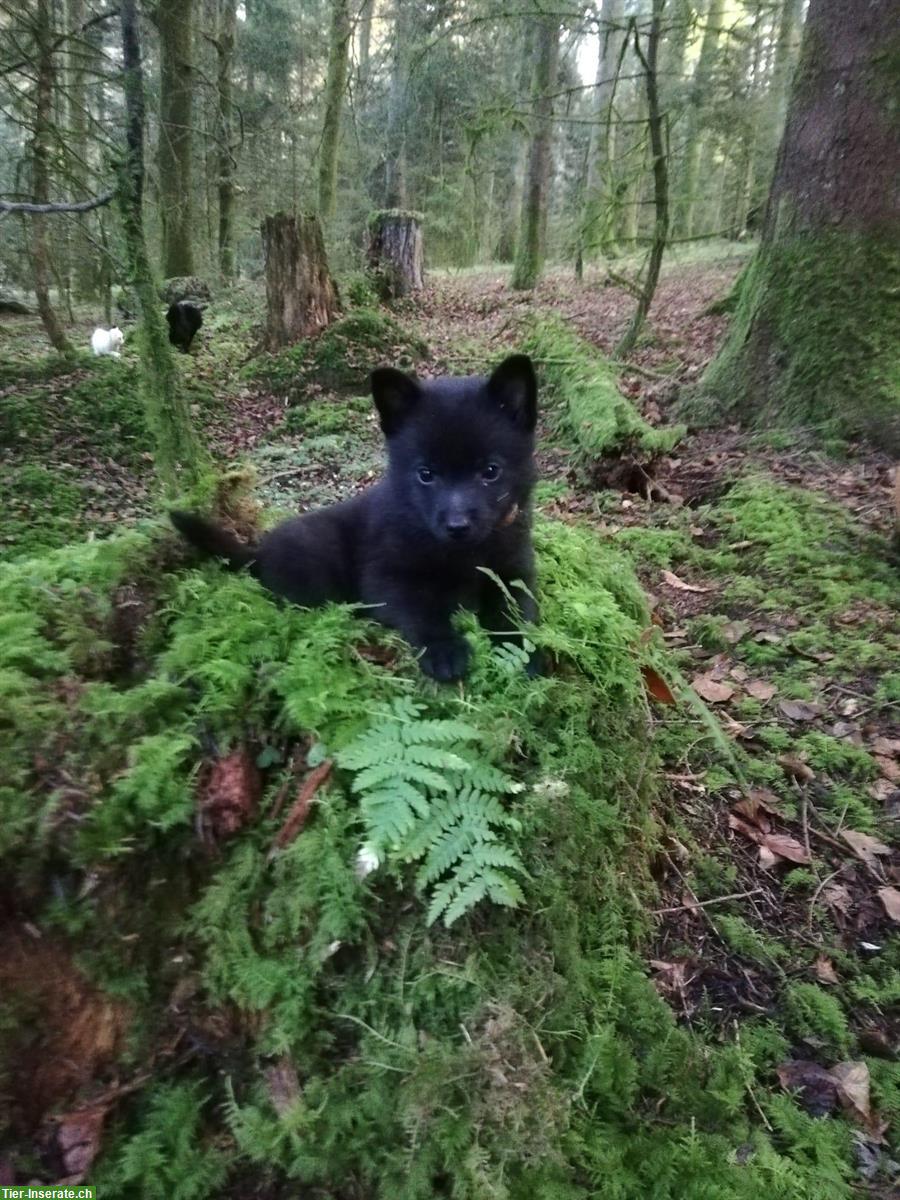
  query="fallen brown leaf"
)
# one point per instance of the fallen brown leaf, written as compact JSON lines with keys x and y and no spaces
{"x":709,"y":689}
{"x":657,"y":686}
{"x":890,"y":898}
{"x":865,"y":847}
{"x":889,"y":768}
{"x":796,"y":768}
{"x":760,"y":690}
{"x":825,"y":971}
{"x":852,"y":1082}
{"x":741,"y":826}
{"x":735,"y":630}
{"x":838,"y":897}
{"x":886,"y":747}
{"x":679,"y":584}
{"x":757,"y":807}
{"x":785,"y":846}
{"x":78,"y":1138}
{"x":816,"y":1089}
{"x":800,"y":710}
{"x":299,"y":810}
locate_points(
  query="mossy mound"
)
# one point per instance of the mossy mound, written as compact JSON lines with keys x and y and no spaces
{"x":291,"y":1025}
{"x":602,"y":421}
{"x":342,"y":356}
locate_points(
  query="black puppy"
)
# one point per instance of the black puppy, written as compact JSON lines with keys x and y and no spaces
{"x":184,"y":320}
{"x":455,"y":498}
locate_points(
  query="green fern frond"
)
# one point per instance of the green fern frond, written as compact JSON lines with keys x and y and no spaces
{"x":429,"y":795}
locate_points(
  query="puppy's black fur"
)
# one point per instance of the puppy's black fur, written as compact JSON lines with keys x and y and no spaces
{"x":184,"y":320}
{"x":455,"y":498}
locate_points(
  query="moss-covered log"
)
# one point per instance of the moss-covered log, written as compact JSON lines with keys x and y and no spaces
{"x":814,"y":338}
{"x":603,"y":422}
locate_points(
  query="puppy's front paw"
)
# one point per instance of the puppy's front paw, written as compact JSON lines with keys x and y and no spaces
{"x":446,"y":659}
{"x":536,"y":665}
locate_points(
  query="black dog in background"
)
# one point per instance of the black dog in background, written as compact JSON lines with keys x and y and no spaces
{"x":455,"y":498}
{"x":184,"y":320}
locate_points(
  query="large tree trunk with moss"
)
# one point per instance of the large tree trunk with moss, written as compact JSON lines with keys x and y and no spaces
{"x":531,"y":242}
{"x":225,"y":155}
{"x":174,"y":21}
{"x":178,"y":455}
{"x":395,"y":253}
{"x":338,"y":55}
{"x":40,"y":178}
{"x":814,"y":338}
{"x":300,"y":293}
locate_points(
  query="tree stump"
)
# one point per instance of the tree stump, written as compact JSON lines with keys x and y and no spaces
{"x":300,"y":294}
{"x":395,"y":253}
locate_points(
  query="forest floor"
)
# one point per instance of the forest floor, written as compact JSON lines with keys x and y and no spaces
{"x":769,"y":572}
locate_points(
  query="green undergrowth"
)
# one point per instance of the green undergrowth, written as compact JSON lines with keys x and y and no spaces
{"x":800,"y":595}
{"x":341,"y":357}
{"x":75,"y":451}
{"x":601,"y":420}
{"x":471,"y":1019}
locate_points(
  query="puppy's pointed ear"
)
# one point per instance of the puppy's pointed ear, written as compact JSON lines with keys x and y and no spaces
{"x":513,"y":386}
{"x":395,"y":395}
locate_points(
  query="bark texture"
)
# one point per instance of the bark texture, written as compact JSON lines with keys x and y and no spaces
{"x":300,"y":295}
{"x":599,"y":192}
{"x":336,"y":82}
{"x":178,"y":455}
{"x":174,"y":20}
{"x":396,"y":253}
{"x":814,"y":336}
{"x":531,"y":243}
{"x":40,"y":178}
{"x":225,"y":120}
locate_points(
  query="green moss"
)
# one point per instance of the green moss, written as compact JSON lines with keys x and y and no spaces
{"x":522,"y":1053}
{"x":811,"y":1012}
{"x":601,"y":420}
{"x":342,"y":356}
{"x":813,"y":341}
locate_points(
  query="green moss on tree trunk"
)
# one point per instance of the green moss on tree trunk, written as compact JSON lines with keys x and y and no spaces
{"x":814,"y":338}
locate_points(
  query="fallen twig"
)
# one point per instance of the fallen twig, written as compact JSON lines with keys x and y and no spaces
{"x":660,"y":912}
{"x":299,"y":810}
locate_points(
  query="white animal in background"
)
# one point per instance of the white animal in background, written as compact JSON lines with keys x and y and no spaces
{"x":107,"y":341}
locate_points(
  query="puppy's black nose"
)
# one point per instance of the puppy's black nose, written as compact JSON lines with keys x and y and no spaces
{"x":458,"y":526}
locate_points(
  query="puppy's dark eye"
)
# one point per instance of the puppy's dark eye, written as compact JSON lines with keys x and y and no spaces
{"x":425,"y":474}
{"x":491,"y":473}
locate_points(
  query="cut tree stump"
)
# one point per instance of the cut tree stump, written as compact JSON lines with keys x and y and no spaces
{"x":395,"y":253}
{"x":300,"y":294}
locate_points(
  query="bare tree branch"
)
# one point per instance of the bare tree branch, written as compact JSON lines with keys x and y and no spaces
{"x":22,"y":206}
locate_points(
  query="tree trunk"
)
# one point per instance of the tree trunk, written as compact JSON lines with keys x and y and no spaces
{"x":599,"y":188}
{"x":512,"y":209}
{"x":655,"y":119}
{"x":365,"y":46}
{"x":84,"y":255}
{"x":174,"y":20}
{"x":531,"y":242}
{"x":179,"y":458}
{"x":40,"y":178}
{"x":694,"y":138}
{"x":395,"y":158}
{"x":300,"y":294}
{"x":225,"y":156}
{"x":395,"y":253}
{"x":338,"y":55}
{"x":814,"y":340}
